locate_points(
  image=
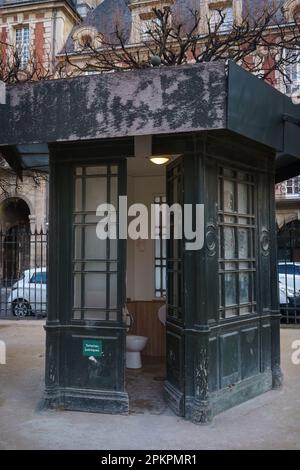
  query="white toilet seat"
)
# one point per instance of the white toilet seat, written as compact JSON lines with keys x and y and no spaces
{"x":134,"y":346}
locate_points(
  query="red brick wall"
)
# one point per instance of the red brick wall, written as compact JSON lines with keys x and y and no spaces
{"x":3,"y":39}
{"x":267,"y":65}
{"x":39,"y":42}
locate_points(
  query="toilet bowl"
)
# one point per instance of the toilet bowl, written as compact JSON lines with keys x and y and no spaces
{"x":134,"y":346}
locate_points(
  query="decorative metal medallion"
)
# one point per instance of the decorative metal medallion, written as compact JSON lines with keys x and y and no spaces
{"x":265,"y":242}
{"x":211,"y":239}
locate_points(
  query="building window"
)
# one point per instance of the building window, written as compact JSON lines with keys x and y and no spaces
{"x":90,"y":71}
{"x":148,"y":22}
{"x":237,"y":258}
{"x":293,"y":186}
{"x":22,"y":44}
{"x":216,"y":19}
{"x":292,"y":72}
{"x":160,"y":251}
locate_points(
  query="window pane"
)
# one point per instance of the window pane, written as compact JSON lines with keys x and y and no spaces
{"x":78,"y":243}
{"x":95,"y":290}
{"x":94,"y":247}
{"x":96,"y":170}
{"x":230,"y":289}
{"x":113,"y":291}
{"x":95,"y":193}
{"x":228,"y":196}
{"x":113,"y":249}
{"x":94,"y":266}
{"x":77,"y":291}
{"x":237,"y":237}
{"x":243,"y":243}
{"x":99,"y":315}
{"x":229,"y":242}
{"x":244,"y":288}
{"x":78,"y":195}
{"x":94,"y":280}
{"x":243,"y":198}
{"x":114,"y":192}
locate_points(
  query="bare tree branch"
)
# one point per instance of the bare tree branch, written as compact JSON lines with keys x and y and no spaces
{"x":260,"y":42}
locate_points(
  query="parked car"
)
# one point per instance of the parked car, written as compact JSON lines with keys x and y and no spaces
{"x":289,"y":280}
{"x":29,"y":295}
{"x":289,"y":291}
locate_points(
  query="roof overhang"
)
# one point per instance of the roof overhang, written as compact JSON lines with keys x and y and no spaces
{"x":168,"y":100}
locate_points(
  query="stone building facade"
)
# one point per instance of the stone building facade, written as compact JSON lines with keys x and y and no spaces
{"x":40,"y":29}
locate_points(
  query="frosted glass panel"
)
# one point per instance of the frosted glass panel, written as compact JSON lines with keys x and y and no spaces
{"x":78,"y":194}
{"x":164,"y":279}
{"x":95,"y":290}
{"x":78,"y":243}
{"x":243,"y":243}
{"x":77,"y":290}
{"x":94,"y":266}
{"x":94,"y":247}
{"x":157,"y":278}
{"x":244,"y":288}
{"x":237,"y":228}
{"x":229,"y":242}
{"x":230,"y":289}
{"x":113,"y":291}
{"x":92,"y":219}
{"x":229,"y":201}
{"x":78,"y":219}
{"x":114,"y":192}
{"x":113,"y":249}
{"x":95,"y":193}
{"x":95,"y":315}
{"x":113,"y":316}
{"x":96,"y":170}
{"x":157,"y":249}
{"x":243,"y":198}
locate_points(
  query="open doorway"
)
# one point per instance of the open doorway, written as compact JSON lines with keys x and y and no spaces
{"x":146,"y":294}
{"x":15,"y":231}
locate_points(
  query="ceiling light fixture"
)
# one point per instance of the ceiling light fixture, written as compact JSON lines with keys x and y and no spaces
{"x":160,"y":159}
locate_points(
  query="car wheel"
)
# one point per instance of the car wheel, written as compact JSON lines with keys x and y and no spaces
{"x":21,"y":308}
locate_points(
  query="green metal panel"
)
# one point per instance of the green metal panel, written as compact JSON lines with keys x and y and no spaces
{"x":232,"y":359}
{"x":77,"y":377}
{"x":254,"y":108}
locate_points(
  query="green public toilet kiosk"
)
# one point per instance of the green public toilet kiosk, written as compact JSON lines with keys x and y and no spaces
{"x":233,"y":137}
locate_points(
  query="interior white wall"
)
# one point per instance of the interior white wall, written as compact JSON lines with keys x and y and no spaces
{"x":140,"y":253}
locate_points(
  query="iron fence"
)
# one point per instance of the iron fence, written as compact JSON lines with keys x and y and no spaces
{"x":23,"y":273}
{"x":289,"y":272}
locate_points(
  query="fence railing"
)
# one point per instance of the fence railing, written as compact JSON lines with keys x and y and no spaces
{"x":289,"y":272}
{"x":23,"y":273}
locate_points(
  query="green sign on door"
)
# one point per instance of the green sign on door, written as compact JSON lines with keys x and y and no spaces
{"x":92,"y":347}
